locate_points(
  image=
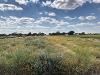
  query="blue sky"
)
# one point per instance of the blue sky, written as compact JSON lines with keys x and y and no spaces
{"x":25,"y":16}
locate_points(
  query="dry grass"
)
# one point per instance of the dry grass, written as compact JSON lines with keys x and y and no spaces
{"x":50,"y":55}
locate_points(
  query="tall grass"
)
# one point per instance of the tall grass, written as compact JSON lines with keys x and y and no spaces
{"x":46,"y":56}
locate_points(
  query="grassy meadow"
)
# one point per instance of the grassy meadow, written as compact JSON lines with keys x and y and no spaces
{"x":50,"y":55}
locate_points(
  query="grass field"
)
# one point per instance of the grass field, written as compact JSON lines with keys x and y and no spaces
{"x":50,"y":55}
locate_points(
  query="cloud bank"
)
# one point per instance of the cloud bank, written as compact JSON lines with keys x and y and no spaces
{"x":87,"y":18}
{"x":48,"y":15}
{"x":4,"y":7}
{"x":59,"y":4}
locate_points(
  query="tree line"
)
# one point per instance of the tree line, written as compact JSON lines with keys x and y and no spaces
{"x":43,"y":34}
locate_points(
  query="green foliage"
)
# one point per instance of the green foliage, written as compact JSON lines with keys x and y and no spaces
{"x":71,"y":33}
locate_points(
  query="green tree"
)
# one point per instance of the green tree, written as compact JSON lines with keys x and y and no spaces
{"x":71,"y":33}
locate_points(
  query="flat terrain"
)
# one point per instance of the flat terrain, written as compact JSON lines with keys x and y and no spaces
{"x":50,"y":55}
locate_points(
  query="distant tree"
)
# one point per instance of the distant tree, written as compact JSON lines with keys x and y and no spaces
{"x":71,"y":33}
{"x":3,"y":34}
{"x":57,"y":33}
{"x":16,"y":34}
{"x":41,"y":34}
{"x":29,"y":34}
{"x":34,"y":34}
{"x":19,"y":34}
{"x":83,"y":33}
{"x":13,"y":34}
{"x":50,"y":33}
{"x":63,"y":33}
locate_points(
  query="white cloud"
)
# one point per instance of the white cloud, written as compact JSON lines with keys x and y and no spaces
{"x":70,"y":18}
{"x":14,"y":22}
{"x":60,"y":4}
{"x":51,"y":14}
{"x":48,"y":13}
{"x":81,"y":18}
{"x":43,"y":24}
{"x":87,"y":18}
{"x":98,"y":23}
{"x":22,"y":1}
{"x":40,"y":13}
{"x":67,"y":4}
{"x":12,"y":7}
{"x":82,"y":24}
{"x":96,"y":1}
{"x":26,"y":1}
{"x":47,"y":3}
{"x":90,"y":17}
{"x":27,"y":23}
{"x":50,"y":21}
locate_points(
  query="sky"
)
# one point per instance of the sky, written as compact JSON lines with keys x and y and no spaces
{"x":24,"y":16}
